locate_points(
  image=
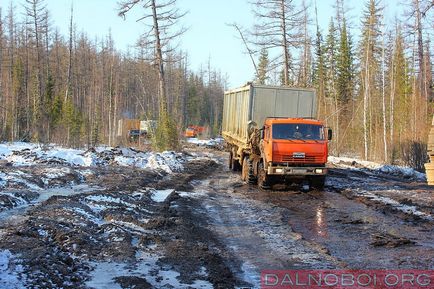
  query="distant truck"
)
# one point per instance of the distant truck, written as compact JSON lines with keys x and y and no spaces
{"x":273,"y":137}
{"x":134,"y":135}
{"x":132,"y":130}
{"x":148,"y":127}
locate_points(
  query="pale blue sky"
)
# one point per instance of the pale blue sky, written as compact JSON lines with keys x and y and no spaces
{"x":208,"y":36}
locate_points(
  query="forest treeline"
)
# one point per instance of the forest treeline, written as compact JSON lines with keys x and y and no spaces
{"x":373,"y":79}
{"x":72,"y":90}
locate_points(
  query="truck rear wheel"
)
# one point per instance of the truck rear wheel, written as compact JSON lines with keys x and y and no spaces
{"x":245,"y":169}
{"x":247,"y":174}
{"x":237,"y":165}
{"x":234,"y":164}
{"x":263,"y":178}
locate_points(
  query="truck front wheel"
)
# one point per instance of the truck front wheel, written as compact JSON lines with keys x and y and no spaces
{"x":251,"y":178}
{"x":247,"y":174}
{"x":317,"y":182}
{"x":263,"y":178}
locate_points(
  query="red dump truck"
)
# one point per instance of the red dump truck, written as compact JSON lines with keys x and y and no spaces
{"x":272,"y":135}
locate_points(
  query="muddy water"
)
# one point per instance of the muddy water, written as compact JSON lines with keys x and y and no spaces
{"x":17,"y":215}
{"x":356,"y":234}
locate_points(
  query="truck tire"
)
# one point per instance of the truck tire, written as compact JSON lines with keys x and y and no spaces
{"x":236,"y":166}
{"x":251,"y":178}
{"x":245,"y":169}
{"x":263,"y":178}
{"x":317,"y":182}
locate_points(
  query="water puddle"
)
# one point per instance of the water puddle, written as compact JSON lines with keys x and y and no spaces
{"x":16,"y":215}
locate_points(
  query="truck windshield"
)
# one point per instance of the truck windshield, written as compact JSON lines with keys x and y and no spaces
{"x":298,"y":131}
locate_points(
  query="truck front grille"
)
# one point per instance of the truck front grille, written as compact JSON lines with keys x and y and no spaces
{"x":309,"y":158}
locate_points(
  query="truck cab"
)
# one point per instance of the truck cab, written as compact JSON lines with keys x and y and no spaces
{"x":294,"y":147}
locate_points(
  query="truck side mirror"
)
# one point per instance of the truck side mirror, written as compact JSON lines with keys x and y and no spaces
{"x":330,"y":134}
{"x":262,"y":134}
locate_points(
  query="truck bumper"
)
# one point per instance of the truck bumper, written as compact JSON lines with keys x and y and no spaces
{"x":296,"y":171}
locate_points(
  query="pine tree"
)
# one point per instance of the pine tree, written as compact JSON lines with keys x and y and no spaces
{"x":345,"y":67}
{"x":330,"y":61}
{"x":263,"y":64}
{"x":318,"y":77}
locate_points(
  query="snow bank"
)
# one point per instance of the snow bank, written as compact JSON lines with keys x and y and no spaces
{"x":206,"y":142}
{"x":356,"y":164}
{"x":7,"y":149}
{"x":9,"y":271}
{"x":24,"y":154}
{"x":408,"y":209}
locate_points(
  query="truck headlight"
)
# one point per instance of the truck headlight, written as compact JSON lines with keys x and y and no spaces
{"x":319,"y":171}
{"x":279,"y":171}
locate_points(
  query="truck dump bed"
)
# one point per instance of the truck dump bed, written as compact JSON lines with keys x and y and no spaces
{"x":257,"y":102}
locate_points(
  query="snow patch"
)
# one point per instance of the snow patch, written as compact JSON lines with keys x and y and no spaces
{"x":356,"y":164}
{"x":160,"y":196}
{"x":108,"y":199}
{"x":411,"y":210}
{"x":54,"y":173}
{"x":11,"y":272}
{"x":17,"y":177}
{"x":3,"y":181}
{"x":129,"y":226}
{"x":166,"y":161}
{"x":104,"y":274}
{"x":97,"y":221}
{"x":206,"y":142}
{"x":66,"y":191}
{"x":23,"y":154}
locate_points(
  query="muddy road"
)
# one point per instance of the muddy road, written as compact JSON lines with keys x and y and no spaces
{"x":110,"y":226}
{"x":361,"y":220}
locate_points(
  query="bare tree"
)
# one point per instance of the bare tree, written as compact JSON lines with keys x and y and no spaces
{"x":250,"y":51}
{"x":2,"y":118}
{"x":278,"y":26}
{"x":369,"y":55}
{"x":160,"y":16}
{"x":37,"y":13}
{"x":71,"y":34}
{"x":383,"y":94}
{"x":304,"y":74}
{"x":37,"y":16}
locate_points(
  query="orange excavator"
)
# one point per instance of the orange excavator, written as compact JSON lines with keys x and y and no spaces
{"x":193,"y":131}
